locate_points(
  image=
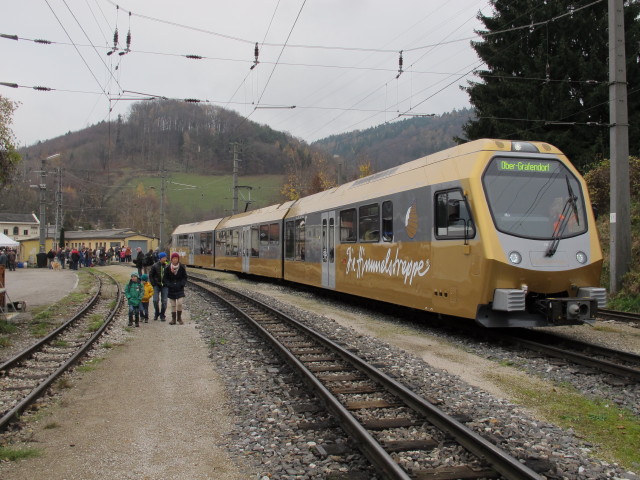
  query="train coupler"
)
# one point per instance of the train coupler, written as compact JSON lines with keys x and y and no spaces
{"x":569,"y":311}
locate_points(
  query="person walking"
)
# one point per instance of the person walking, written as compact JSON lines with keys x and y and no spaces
{"x":50,"y":256}
{"x":11,"y":255}
{"x":139,"y":261}
{"x":176,"y":279}
{"x":147,"y":289}
{"x":157,"y":280}
{"x":134,"y":292}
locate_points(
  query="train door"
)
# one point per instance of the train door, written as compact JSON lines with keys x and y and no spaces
{"x":245,"y":248}
{"x":191,"y":247}
{"x":328,"y":249}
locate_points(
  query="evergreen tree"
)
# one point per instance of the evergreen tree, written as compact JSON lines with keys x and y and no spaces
{"x":538,"y":82}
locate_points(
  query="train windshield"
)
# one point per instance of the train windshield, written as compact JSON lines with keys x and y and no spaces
{"x":538,"y":199}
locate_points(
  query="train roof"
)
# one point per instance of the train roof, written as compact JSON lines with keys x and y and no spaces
{"x":204,"y":226}
{"x":452,"y":164}
{"x":271,"y":213}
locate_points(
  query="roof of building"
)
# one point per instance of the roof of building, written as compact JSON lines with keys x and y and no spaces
{"x":115,"y":233}
{"x":18,"y":218}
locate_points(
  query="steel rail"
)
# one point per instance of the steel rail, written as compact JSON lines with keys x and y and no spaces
{"x":546,"y":337}
{"x":622,"y":316}
{"x":27,"y":352}
{"x":498,"y":459}
{"x":36,"y":393}
{"x":602,"y":365}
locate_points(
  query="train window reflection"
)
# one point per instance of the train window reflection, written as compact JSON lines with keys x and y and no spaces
{"x":348,"y":225}
{"x":206,"y":242}
{"x":369,"y":223}
{"x":255,"y":241}
{"x":274,"y":234}
{"x":264,"y":235}
{"x":534,"y":198}
{"x":300,"y":239}
{"x":387,"y":221}
{"x":289,"y":235}
{"x":453,"y":218}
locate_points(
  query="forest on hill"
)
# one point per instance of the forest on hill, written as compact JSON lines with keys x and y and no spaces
{"x":109,"y":168}
{"x":392,"y":144}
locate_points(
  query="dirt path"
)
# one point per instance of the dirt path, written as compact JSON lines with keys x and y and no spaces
{"x":153,"y":409}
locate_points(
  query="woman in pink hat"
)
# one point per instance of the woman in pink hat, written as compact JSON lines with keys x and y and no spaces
{"x":175,"y":279}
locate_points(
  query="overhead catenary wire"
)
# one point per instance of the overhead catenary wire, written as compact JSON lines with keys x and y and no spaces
{"x":391,"y":70}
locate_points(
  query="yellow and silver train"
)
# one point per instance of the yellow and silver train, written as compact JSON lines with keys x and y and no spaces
{"x":498,"y":231}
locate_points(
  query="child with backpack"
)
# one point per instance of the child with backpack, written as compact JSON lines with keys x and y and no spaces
{"x":147,"y":289}
{"x":134,"y":292}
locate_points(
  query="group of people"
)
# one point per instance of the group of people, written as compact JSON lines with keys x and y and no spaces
{"x":164,"y":284}
{"x":87,"y":257}
{"x":8,"y":258}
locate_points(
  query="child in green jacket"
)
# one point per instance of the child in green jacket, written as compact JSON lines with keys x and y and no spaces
{"x":134,"y":292}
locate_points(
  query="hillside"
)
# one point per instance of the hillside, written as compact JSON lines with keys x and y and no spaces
{"x":111,"y":169}
{"x":169,"y":134}
{"x":392,"y":144}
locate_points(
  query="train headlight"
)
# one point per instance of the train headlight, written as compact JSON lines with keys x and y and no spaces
{"x":515,"y":258}
{"x":581,"y":257}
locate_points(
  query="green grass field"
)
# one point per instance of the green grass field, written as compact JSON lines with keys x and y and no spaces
{"x":213,"y":194}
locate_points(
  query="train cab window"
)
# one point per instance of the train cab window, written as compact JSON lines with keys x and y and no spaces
{"x":387,"y":221}
{"x":300,"y":239}
{"x":274,"y":234}
{"x":369,"y":223}
{"x":264,"y":235}
{"x":206,"y":241}
{"x":289,"y":235}
{"x":453,"y":218}
{"x":255,"y":241}
{"x":348,"y":226}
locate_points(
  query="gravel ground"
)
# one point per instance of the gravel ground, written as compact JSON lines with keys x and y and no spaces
{"x":152,"y":409}
{"x":545,"y":447}
{"x":245,"y":408}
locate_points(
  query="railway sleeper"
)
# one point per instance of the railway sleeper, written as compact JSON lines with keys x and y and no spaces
{"x":453,"y":473}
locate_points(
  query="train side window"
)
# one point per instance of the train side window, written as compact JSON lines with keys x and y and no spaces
{"x":387,"y":221}
{"x":235,"y":242}
{"x":348,"y":226}
{"x":331,"y":240}
{"x":369,"y":223}
{"x":274,"y":234}
{"x":183,"y":240}
{"x":300,"y":239}
{"x":264,"y":235}
{"x":206,"y":240}
{"x":289,"y":235}
{"x":221,"y":242}
{"x":255,"y":241}
{"x":453,"y":216}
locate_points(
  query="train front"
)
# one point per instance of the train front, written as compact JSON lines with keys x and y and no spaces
{"x":547,"y":257}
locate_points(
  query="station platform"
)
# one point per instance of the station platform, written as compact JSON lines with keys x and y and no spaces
{"x":38,"y":286}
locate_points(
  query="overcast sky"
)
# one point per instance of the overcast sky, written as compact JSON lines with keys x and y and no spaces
{"x":335,"y":60}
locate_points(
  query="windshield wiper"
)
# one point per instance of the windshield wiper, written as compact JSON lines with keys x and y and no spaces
{"x":572,"y":200}
{"x":569,"y":206}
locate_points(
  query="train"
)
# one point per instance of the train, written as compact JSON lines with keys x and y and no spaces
{"x":501,"y":232}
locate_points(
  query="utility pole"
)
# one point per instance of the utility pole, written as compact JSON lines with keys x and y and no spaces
{"x":619,"y":217}
{"x":236,"y":164}
{"x":43,"y":190}
{"x":58,"y":207}
{"x":162,"y":174}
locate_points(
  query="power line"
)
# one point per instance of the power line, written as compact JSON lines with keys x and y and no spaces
{"x":77,"y":50}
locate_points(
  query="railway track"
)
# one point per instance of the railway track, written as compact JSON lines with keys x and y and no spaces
{"x":26,"y":377}
{"x":366,"y":402}
{"x":627,"y":317}
{"x":615,"y":362}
